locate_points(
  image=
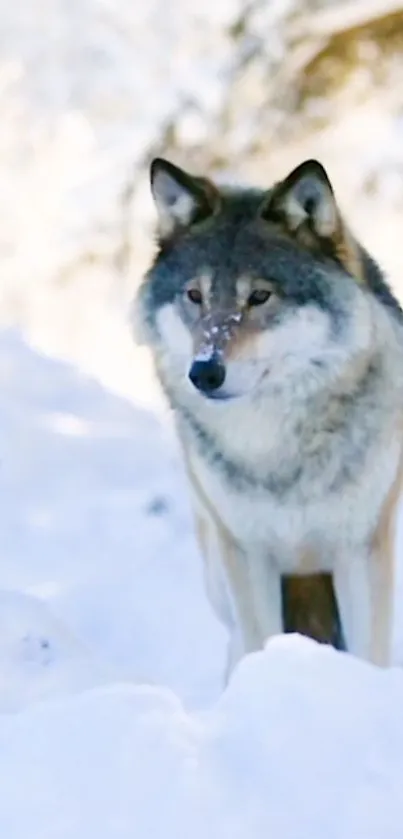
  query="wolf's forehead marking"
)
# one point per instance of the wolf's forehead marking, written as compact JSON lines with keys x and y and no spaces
{"x":242,"y":286}
{"x":216,"y":331}
{"x":205,"y":281}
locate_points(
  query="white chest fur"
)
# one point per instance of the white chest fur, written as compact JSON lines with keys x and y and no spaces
{"x":301,"y":535}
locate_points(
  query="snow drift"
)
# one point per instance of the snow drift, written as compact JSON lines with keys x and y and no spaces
{"x":113,"y":723}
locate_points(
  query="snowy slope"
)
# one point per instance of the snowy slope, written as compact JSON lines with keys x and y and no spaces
{"x":304,"y":745}
{"x":112,"y":720}
{"x":94,"y":523}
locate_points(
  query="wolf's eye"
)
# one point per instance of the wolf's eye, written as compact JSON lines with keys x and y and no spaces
{"x":259,"y":296}
{"x":194,"y":296}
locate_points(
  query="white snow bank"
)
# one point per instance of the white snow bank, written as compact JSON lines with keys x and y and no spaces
{"x":112,"y":725}
{"x":39,"y":655}
{"x":96,"y":533}
{"x":305,"y":744}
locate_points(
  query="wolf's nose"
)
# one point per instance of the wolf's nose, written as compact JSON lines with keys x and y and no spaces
{"x":207,"y":375}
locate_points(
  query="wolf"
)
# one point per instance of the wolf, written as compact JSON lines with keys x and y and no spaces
{"x":279,"y":346}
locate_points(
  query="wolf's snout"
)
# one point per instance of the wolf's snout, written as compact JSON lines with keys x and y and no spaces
{"x":207,"y":374}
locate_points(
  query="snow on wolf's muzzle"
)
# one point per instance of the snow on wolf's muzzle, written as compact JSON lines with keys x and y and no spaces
{"x":207,"y":372}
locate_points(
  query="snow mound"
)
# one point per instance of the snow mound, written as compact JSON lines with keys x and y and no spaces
{"x":305,"y":743}
{"x":39,"y":656}
{"x":99,"y":567}
{"x":112,"y":720}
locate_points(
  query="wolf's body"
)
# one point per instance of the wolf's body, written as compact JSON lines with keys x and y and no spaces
{"x":280,"y":349}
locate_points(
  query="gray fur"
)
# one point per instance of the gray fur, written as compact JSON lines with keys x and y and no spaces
{"x":304,"y":444}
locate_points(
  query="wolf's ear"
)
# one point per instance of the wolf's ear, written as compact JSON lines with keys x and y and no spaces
{"x":305,"y":204}
{"x":181,"y":199}
{"x":304,"y":197}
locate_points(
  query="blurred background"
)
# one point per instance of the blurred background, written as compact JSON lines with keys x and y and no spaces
{"x":90,"y":90}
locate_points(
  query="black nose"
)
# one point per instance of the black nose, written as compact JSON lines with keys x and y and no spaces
{"x":207,"y":375}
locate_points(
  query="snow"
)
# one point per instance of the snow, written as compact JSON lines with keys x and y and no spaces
{"x":96,"y":526}
{"x":113,"y":719}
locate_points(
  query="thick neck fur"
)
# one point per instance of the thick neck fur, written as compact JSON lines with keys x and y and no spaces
{"x":313,"y":433}
{"x":328,"y":368}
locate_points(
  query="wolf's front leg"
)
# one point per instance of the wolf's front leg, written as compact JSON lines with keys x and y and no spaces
{"x":244,"y":590}
{"x":382,"y":586}
{"x":365,"y":593}
{"x":229,"y":585}
{"x":263,"y":583}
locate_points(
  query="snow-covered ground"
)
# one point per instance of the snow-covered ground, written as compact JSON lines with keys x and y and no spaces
{"x":95,"y":526}
{"x":113,"y":723}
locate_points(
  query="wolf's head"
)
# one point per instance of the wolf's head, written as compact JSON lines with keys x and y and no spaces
{"x":251,"y":289}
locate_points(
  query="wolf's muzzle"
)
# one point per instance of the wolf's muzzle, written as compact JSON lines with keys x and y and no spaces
{"x":207,"y":375}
